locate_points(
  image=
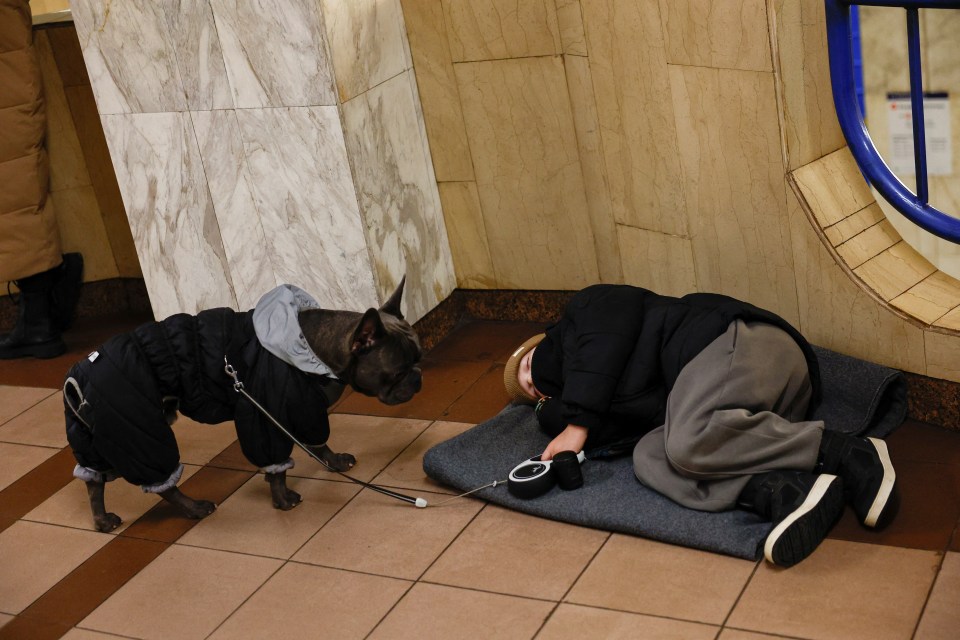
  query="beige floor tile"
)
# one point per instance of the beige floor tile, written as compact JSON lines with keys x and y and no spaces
{"x":34,"y":557}
{"x":16,"y":400}
{"x":643,"y":576}
{"x":185,"y":593}
{"x":374,"y":441}
{"x":18,"y":459}
{"x":941,"y":617}
{"x":247,"y":522}
{"x":303,"y":601}
{"x":377,"y":534}
{"x":435,"y":611}
{"x":4,"y":619}
{"x":575,"y":622}
{"x":407,"y":470}
{"x":736,"y":634}
{"x":200,"y":443}
{"x":41,"y":425}
{"x":70,"y":507}
{"x":86,"y":634}
{"x":844,"y":590}
{"x":518,"y":554}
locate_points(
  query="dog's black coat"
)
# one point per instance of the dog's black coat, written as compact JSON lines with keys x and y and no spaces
{"x":125,"y":384}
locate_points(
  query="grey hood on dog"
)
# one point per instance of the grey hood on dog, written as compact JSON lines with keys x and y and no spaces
{"x":277,"y":325}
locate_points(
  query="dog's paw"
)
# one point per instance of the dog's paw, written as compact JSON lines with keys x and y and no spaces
{"x":107,"y":522}
{"x":339,"y":461}
{"x":199,"y":509}
{"x":286,"y":500}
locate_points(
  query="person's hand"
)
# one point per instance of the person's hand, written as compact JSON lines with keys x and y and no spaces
{"x":570,"y":439}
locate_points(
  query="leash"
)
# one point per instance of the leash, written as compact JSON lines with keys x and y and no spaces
{"x":238,"y":387}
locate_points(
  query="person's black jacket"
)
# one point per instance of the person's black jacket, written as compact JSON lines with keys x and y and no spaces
{"x":611,"y":360}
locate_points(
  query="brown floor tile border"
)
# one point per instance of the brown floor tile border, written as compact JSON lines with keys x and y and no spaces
{"x":22,"y":496}
{"x":85,"y":588}
{"x":89,"y":585}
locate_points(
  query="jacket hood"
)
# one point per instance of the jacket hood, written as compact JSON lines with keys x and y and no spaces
{"x":277,"y":325}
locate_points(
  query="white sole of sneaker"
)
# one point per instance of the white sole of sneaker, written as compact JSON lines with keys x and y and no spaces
{"x":886,"y":485}
{"x":819,"y":489}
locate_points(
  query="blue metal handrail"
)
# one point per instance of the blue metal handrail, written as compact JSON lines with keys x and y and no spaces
{"x":915,"y":207}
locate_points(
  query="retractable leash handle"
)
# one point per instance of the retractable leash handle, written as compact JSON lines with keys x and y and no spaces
{"x":238,"y":387}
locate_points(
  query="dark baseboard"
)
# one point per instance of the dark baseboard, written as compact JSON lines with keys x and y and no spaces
{"x":100,"y":298}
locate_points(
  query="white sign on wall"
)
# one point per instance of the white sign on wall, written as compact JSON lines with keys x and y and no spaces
{"x":936,"y":121}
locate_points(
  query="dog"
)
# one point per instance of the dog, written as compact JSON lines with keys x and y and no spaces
{"x":289,"y":355}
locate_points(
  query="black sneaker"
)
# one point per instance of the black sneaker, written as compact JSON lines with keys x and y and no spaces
{"x":803,"y":508}
{"x":869,"y":479}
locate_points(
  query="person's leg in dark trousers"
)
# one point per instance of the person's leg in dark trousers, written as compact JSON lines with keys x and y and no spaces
{"x":735,"y":435}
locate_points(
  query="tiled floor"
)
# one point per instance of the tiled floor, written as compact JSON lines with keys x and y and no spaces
{"x":351,"y":563}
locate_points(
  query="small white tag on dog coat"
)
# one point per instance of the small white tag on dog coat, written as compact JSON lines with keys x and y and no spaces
{"x":93,"y":356}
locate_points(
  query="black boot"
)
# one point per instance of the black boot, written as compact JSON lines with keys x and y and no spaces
{"x":869,"y":479}
{"x":803,"y":508}
{"x":35,"y":333}
{"x":66,"y":291}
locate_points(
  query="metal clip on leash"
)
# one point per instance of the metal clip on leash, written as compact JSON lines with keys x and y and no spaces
{"x":238,"y":387}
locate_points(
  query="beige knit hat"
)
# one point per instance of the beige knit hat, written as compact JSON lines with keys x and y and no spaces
{"x":510,"y":381}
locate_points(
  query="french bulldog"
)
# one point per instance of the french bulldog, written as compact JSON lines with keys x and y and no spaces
{"x":375,"y":352}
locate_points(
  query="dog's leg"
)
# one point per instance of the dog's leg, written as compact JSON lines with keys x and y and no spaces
{"x":283,"y":498}
{"x":195,"y":509}
{"x":102,"y":520}
{"x":337,"y":461}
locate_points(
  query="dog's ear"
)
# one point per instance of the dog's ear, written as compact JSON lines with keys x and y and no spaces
{"x":368,"y":332}
{"x":392,"y":305}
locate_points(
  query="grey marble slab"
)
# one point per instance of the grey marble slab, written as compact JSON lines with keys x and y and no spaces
{"x":398,"y":193}
{"x":300,"y":179}
{"x":130,"y":57}
{"x":275,"y":52}
{"x":244,"y":242}
{"x":170,"y":211}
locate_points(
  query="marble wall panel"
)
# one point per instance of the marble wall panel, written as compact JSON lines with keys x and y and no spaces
{"x":467,"y":235}
{"x":496,"y":29}
{"x":883,"y":41}
{"x":244,"y":242}
{"x":199,"y":57}
{"x":657,"y":261}
{"x":529,"y":178}
{"x":170,"y":211}
{"x":104,"y":180}
{"x":943,"y":356}
{"x":833,"y":187}
{"x":634,"y":106}
{"x":727,"y":34}
{"x":397,"y":190}
{"x":301,"y":184}
{"x":587,"y":124}
{"x":82,"y":229}
{"x":570,"y":20}
{"x":367,"y":43}
{"x":130,"y":56}
{"x":275,"y":52}
{"x":67,"y":166}
{"x":729,"y":149}
{"x":810,"y":121}
{"x":837,"y":313}
{"x":437,"y":85}
{"x":938,"y":29}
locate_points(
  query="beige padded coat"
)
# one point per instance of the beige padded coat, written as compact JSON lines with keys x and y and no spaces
{"x":29,"y":238}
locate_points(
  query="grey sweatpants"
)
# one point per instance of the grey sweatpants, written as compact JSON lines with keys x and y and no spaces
{"x":736,"y":409}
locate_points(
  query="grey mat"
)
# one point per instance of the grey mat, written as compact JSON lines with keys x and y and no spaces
{"x":859,"y":398}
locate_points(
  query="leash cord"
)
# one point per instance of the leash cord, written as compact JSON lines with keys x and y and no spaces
{"x":238,"y":387}
{"x":491,"y":484}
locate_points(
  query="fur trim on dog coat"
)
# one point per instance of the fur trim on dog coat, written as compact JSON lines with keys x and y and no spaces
{"x":115,"y":416}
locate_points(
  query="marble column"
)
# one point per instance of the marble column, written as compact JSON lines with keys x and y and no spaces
{"x":266,"y":142}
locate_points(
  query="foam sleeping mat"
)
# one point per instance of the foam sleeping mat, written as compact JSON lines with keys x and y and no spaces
{"x":858,"y":398}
